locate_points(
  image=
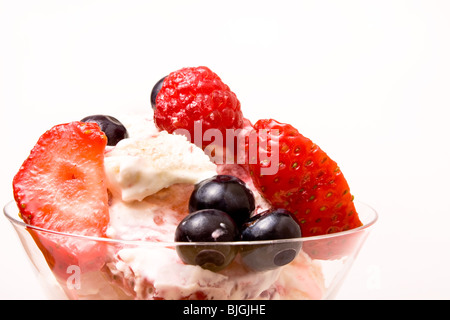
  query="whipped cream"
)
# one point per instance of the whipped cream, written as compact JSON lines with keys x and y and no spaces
{"x":139,"y":167}
{"x":157,"y":272}
{"x":153,"y":219}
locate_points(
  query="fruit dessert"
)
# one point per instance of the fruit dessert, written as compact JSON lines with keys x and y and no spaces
{"x":183,"y":201}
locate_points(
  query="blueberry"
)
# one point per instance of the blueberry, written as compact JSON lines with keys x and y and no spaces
{"x":270,"y":225}
{"x":155,"y":92}
{"x":113,"y":128}
{"x":208,"y":225}
{"x":226,"y":193}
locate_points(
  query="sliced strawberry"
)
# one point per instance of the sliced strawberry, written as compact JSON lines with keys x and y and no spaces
{"x":307,"y":181}
{"x":335,"y":247}
{"x":61,"y":187}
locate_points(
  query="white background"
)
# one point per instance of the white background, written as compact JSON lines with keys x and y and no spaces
{"x":368,"y":81}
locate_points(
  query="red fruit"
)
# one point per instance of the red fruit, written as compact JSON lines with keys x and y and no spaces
{"x":61,"y":187}
{"x":308,"y":182}
{"x":191,"y":98}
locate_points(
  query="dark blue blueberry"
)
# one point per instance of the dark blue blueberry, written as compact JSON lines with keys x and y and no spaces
{"x":155,"y":92}
{"x":270,"y":225}
{"x":226,"y":193}
{"x":208,"y":225}
{"x":113,"y":128}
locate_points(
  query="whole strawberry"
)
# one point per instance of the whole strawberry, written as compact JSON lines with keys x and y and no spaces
{"x":193,"y":100}
{"x":307,"y":181}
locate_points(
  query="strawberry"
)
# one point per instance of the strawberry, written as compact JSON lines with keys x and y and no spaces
{"x":193,"y":100}
{"x":61,"y":187}
{"x":306,"y":182}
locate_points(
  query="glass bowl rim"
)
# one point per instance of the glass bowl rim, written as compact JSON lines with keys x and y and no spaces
{"x":374,"y":218}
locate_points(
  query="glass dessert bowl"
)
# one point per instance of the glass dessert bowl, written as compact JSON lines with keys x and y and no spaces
{"x":302,"y":268}
{"x":151,"y":208}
